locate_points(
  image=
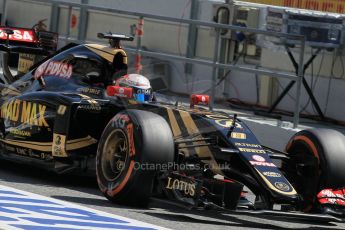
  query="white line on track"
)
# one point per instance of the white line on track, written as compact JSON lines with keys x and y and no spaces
{"x":24,"y":210}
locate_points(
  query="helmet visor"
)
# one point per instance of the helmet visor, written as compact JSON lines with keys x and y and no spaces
{"x":142,"y":95}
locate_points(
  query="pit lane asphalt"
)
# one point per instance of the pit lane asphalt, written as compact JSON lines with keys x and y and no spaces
{"x":84,"y":191}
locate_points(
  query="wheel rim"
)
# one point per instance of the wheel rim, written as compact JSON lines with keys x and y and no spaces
{"x":114,"y":155}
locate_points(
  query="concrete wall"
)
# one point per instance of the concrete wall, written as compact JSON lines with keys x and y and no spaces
{"x":26,"y":13}
{"x":172,"y":8}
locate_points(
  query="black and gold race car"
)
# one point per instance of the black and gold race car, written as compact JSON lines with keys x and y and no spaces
{"x":79,"y":111}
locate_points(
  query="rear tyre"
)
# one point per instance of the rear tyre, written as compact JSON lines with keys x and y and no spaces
{"x":133,"y":143}
{"x":317,"y":162}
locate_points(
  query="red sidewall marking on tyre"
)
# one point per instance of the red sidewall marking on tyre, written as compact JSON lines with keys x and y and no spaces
{"x":310,"y":144}
{"x":124,"y":181}
{"x":131,"y":139}
{"x":313,"y":150}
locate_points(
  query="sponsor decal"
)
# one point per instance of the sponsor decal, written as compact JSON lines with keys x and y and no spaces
{"x":241,"y":136}
{"x":27,"y":152}
{"x":90,"y":91}
{"x":21,"y":35}
{"x":54,"y":68}
{"x":144,"y":91}
{"x":282,"y":186}
{"x":24,"y":210}
{"x":61,"y":110}
{"x":25,"y":62}
{"x":120,"y":120}
{"x":23,"y":152}
{"x":120,"y":91}
{"x":24,"y":112}
{"x":248,"y":145}
{"x":19,"y":132}
{"x":251,"y":150}
{"x":272,"y":174}
{"x":223,"y":121}
{"x":90,"y":107}
{"x":59,"y":145}
{"x":259,"y":158}
{"x":259,"y":163}
{"x":186,"y":187}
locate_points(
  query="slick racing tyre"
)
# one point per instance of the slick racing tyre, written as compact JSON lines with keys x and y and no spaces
{"x":132,"y":145}
{"x":317,"y":162}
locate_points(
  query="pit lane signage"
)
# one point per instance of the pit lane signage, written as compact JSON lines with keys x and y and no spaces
{"x":23,"y":210}
{"x":335,"y":6}
{"x":20,"y":35}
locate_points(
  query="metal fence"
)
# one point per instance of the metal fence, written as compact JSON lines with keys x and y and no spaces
{"x":85,"y":9}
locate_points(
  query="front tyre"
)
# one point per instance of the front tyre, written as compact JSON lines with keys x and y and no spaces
{"x":133,"y":146}
{"x":317,"y":162}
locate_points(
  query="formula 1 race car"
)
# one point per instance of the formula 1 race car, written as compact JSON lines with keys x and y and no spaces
{"x":79,"y":110}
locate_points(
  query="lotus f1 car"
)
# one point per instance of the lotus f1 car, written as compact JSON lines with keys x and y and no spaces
{"x":68,"y":115}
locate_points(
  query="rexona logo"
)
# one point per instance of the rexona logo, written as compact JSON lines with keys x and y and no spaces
{"x":24,"y":112}
{"x":19,"y":35}
{"x":53,"y":68}
{"x":187,"y":188}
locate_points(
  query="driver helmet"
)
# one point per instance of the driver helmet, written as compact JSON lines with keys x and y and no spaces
{"x":141,"y":86}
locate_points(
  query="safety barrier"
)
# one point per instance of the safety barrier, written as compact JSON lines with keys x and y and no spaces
{"x":85,"y":9}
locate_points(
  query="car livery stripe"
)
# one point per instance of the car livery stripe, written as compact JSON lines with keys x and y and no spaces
{"x":24,"y":210}
{"x":106,"y":52}
{"x":81,"y":143}
{"x":105,"y":55}
{"x":184,"y":132}
{"x":173,"y":122}
{"x":47,"y":146}
{"x":203,"y":151}
{"x":181,"y":124}
{"x":175,"y":127}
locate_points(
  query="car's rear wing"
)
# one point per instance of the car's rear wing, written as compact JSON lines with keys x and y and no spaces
{"x":24,"y":37}
{"x":31,"y":44}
